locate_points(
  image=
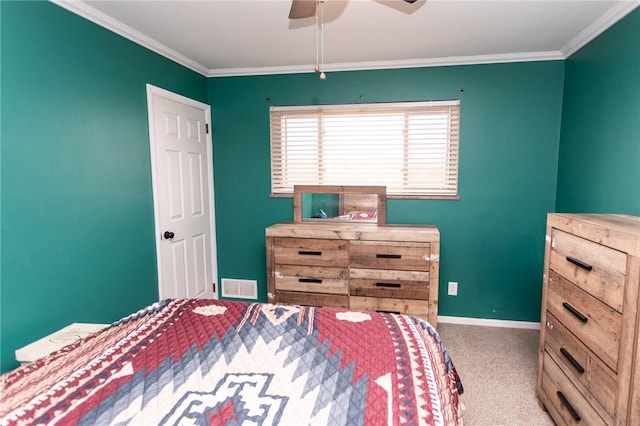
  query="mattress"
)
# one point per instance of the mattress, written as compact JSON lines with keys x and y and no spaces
{"x":201,"y":361}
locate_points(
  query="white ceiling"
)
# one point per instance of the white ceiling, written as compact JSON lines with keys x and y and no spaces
{"x":240,"y":37}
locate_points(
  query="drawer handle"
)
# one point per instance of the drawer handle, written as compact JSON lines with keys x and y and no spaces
{"x":579,"y":263}
{"x":565,"y":402}
{"x":391,"y":285}
{"x":388,"y":256}
{"x":310,"y":280}
{"x":572,"y":360}
{"x":309,"y":253}
{"x":575,"y":312}
{"x":387,"y":312}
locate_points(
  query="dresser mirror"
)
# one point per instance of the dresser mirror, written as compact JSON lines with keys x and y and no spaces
{"x":332,"y":203}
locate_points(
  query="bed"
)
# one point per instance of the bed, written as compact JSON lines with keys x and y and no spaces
{"x":201,"y":361}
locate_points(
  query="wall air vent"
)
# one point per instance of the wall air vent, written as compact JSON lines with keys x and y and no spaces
{"x":240,"y":289}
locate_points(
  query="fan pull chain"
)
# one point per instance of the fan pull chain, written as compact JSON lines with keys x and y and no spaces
{"x":317,"y":67}
{"x":320,"y":39}
{"x":322,"y":74}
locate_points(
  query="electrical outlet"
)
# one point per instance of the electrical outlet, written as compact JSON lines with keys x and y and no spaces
{"x":453,"y":288}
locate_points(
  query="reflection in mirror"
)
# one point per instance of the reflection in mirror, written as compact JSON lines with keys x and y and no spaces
{"x":320,"y":206}
{"x":362,"y":204}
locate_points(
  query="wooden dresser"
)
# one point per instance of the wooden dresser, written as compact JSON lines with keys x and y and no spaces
{"x":388,"y":268}
{"x":589,"y":353}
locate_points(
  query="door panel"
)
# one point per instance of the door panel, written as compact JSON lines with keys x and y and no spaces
{"x":174,"y":185}
{"x":195,"y":174}
{"x":199,"y":263}
{"x":177,"y":259}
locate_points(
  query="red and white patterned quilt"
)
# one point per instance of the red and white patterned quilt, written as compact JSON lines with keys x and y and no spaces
{"x":195,"y":361}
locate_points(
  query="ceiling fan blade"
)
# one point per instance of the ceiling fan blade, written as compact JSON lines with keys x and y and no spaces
{"x":302,"y":9}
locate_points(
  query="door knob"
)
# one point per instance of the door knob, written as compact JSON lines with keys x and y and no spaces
{"x":168,"y":235}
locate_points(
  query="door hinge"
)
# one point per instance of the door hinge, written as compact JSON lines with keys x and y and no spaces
{"x":214,"y":287}
{"x":206,"y":128}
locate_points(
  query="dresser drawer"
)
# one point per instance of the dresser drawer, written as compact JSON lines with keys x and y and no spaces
{"x":390,"y":255}
{"x":312,"y":299}
{"x":385,"y":283}
{"x":567,"y":400}
{"x":593,"y":322}
{"x":597,"y":269}
{"x":309,"y":251}
{"x":397,"y":306}
{"x":312,"y":279}
{"x":580,"y":363}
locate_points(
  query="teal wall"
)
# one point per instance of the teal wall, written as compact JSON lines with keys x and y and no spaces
{"x":77,"y":211}
{"x":77,"y":215}
{"x":492,"y":238}
{"x":599,"y":165}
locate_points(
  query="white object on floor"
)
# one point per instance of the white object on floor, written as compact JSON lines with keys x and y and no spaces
{"x":57,"y":340}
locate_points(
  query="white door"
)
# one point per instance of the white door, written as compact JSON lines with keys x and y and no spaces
{"x":182,"y":171}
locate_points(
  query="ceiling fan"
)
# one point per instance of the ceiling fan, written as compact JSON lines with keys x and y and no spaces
{"x":307,"y":8}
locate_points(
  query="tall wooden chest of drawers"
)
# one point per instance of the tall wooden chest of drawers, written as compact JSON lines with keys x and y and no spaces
{"x":589,"y":353}
{"x":389,"y":268}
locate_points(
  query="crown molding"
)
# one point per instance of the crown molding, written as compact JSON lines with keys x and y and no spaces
{"x":415,"y":63}
{"x":617,"y":12}
{"x":613,"y":15}
{"x":84,"y":10}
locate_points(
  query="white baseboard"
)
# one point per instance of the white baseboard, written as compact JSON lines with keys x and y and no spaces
{"x":488,"y":322}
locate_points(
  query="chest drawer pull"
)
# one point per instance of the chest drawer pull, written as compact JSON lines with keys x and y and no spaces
{"x":387,"y":312}
{"x":310,"y":280}
{"x":575,"y":312}
{"x":309,"y":253}
{"x":390,"y":285}
{"x":565,"y":402}
{"x":388,"y":256}
{"x":579,"y":263}
{"x":572,"y":360}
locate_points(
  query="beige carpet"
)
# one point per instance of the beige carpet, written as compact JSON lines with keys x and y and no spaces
{"x":497,"y":367}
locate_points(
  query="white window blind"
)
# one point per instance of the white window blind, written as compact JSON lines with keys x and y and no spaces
{"x":410,"y":147}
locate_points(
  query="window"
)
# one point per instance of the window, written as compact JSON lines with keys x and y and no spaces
{"x":410,"y":147}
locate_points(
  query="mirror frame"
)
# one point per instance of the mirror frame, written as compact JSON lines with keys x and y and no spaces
{"x":341,"y":190}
